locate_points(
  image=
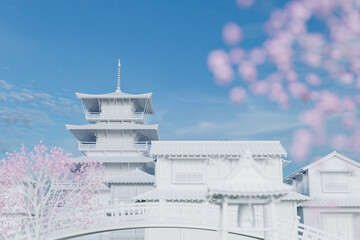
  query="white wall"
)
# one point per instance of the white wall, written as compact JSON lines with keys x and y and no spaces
{"x":315,"y":218}
{"x":124,"y":192}
{"x":116,"y":106}
{"x":332,"y":165}
{"x":214,"y":169}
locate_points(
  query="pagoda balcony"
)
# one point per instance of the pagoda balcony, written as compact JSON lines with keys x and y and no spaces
{"x":97,"y":116}
{"x":141,"y":147}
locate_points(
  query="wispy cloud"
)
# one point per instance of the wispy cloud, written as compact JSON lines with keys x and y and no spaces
{"x":23,"y":116}
{"x":22,"y":95}
{"x":246,"y":125}
{"x":25,"y":112}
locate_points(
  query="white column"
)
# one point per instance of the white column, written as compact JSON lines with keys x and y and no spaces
{"x":273,"y":219}
{"x":223,"y":220}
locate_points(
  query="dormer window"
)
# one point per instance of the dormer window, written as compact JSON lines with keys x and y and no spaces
{"x":335,"y":181}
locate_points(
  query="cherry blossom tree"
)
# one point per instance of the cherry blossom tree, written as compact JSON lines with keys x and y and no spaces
{"x":317,"y":66}
{"x":43,"y":189}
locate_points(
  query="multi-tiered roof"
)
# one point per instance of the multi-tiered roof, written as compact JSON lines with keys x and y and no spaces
{"x":117,"y":129}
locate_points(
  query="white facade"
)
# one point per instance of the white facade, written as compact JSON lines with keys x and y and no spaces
{"x":333,"y":184}
{"x":241,"y":180}
{"x":187,"y":170}
{"x":119,"y":137}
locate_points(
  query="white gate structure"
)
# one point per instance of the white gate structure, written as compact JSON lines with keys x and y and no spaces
{"x":201,"y":216}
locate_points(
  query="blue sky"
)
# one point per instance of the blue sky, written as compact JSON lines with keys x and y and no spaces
{"x":51,"y":49}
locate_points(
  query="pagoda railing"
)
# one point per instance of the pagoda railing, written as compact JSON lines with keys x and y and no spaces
{"x":126,"y":147}
{"x":97,"y":116}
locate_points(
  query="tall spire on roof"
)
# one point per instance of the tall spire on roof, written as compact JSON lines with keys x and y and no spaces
{"x":118,"y":80}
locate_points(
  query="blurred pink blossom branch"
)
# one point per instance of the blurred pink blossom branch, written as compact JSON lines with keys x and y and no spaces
{"x":43,"y":189}
{"x":329,"y":56}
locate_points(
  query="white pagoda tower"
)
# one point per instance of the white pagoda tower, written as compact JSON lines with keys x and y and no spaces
{"x":117,"y":134}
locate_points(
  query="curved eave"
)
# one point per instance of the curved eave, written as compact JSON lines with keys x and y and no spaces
{"x":113,"y":95}
{"x":174,"y":194}
{"x":88,"y":132}
{"x":220,"y":194}
{"x":113,"y":159}
{"x":227,"y":148}
{"x":89,"y":100}
{"x":294,"y":196}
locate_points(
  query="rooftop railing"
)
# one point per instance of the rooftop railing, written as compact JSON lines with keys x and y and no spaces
{"x":96,"y":116}
{"x":125,"y":147}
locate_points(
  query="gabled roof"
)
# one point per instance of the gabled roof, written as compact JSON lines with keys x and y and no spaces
{"x":133,"y":177}
{"x":175,"y":193}
{"x":294,"y":196}
{"x":88,"y":132}
{"x":238,"y":148}
{"x":247,"y":180}
{"x":345,"y":201}
{"x":321,"y":160}
{"x":142,"y":101}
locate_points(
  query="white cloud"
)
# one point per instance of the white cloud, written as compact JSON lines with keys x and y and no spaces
{"x":5,"y":85}
{"x":26,"y":113}
{"x":12,"y":94}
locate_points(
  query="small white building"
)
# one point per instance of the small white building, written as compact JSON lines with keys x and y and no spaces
{"x":333,"y":184}
{"x":187,"y":170}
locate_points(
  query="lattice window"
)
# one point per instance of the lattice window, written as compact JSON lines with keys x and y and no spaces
{"x":188,"y":171}
{"x":335,"y":181}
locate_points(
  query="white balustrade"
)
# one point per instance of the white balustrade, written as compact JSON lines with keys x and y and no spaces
{"x":298,"y":231}
{"x":128,"y":147}
{"x":97,"y":116}
{"x":176,"y":214}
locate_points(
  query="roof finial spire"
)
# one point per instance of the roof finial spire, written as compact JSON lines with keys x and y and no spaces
{"x":118,"y":80}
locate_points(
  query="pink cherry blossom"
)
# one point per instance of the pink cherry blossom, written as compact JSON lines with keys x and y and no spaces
{"x":219,"y":65}
{"x":355,"y":140}
{"x":340,"y":142}
{"x":313,"y":79}
{"x":312,"y":59}
{"x":299,"y":90}
{"x":348,"y":104}
{"x":247,"y":71}
{"x":314,"y":119}
{"x":300,"y":147}
{"x":236,"y":55}
{"x":59,"y":189}
{"x":347,"y":78}
{"x":259,"y":88}
{"x":237,"y":95}
{"x":348,"y":121}
{"x":245,"y":3}
{"x":257,"y":56}
{"x":299,"y":56}
{"x":232,"y":33}
{"x":298,"y":10}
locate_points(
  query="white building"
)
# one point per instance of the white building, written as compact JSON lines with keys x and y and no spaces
{"x":333,"y":184}
{"x":119,"y":137}
{"x":190,"y":171}
{"x":242,"y":181}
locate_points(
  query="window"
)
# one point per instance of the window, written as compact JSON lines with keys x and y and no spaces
{"x":188,"y":171}
{"x":335,"y":181}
